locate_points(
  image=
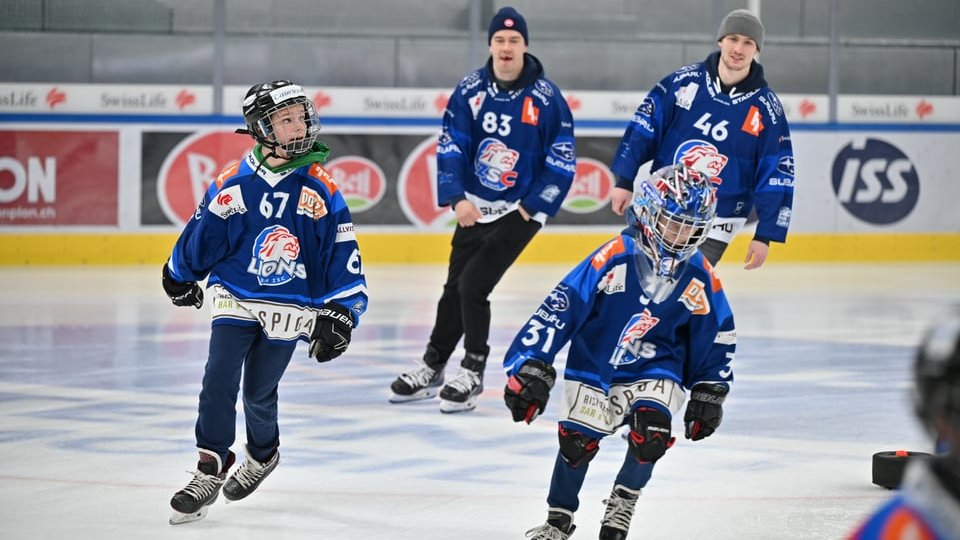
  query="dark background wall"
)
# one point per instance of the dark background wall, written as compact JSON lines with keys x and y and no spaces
{"x":887,"y":46}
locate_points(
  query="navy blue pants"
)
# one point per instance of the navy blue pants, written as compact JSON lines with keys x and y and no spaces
{"x":246,"y":349}
{"x":566,"y":481}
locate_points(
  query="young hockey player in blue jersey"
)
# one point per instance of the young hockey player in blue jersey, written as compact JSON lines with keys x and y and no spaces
{"x":927,"y":507}
{"x":275,"y":241}
{"x":647,"y":320}
{"x":505,"y":162}
{"x":720,"y":117}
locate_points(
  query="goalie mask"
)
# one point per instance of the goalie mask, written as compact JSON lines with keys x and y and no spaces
{"x":936,"y":396}
{"x":671,"y":214}
{"x":260,"y":108}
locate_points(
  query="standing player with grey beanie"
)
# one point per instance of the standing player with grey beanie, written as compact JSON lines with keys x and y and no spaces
{"x":721,"y":117}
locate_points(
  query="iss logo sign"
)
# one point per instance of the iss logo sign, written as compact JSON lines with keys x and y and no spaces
{"x":876,"y":182}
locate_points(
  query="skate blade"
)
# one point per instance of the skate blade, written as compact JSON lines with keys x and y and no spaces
{"x":449,"y":407}
{"x":179,"y":518}
{"x":426,"y":393}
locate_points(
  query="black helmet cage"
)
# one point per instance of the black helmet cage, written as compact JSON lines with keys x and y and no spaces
{"x":263,"y":100}
{"x":936,"y":394}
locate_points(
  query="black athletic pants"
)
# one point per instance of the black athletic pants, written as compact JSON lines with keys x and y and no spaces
{"x":479,"y":257}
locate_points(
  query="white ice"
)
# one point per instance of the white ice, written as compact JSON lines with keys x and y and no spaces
{"x":99,"y":377}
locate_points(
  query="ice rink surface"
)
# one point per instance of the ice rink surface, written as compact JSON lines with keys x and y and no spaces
{"x":99,"y":377}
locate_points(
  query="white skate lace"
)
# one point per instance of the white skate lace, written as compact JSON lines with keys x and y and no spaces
{"x":419,"y":378}
{"x":546,"y":532}
{"x":202,"y":485}
{"x":249,"y":473}
{"x":619,"y":511}
{"x":465,"y":381}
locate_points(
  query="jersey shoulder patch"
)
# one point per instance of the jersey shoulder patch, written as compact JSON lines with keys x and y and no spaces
{"x":317,"y":171}
{"x":228,"y":172}
{"x":607,"y":252}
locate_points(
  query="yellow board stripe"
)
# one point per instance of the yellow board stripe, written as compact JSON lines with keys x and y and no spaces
{"x":392,"y":248}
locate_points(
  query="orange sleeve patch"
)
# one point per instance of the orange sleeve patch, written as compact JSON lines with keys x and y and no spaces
{"x":607,"y":252}
{"x":714,"y":280}
{"x":317,"y":171}
{"x":229,"y":171}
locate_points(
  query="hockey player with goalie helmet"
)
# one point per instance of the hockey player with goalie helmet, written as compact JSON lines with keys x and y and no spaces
{"x":275,"y":241}
{"x":927,"y":507}
{"x":648,"y":322}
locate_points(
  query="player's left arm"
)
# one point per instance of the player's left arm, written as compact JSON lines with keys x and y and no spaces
{"x":712,"y":342}
{"x":775,"y":175}
{"x":344,"y":281}
{"x":555,"y":125}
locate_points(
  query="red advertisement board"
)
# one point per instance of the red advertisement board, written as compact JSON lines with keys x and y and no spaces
{"x":58,"y":178}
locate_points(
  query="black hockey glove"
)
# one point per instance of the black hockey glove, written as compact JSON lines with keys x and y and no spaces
{"x":182,"y":294}
{"x":527,"y":392}
{"x":704,"y":410}
{"x":331,"y":332}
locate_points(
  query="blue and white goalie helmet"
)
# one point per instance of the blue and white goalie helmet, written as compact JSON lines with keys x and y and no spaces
{"x":671,"y":214}
{"x":259,"y":106}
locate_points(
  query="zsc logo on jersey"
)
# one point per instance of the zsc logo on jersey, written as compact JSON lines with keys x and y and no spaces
{"x":494,"y":164}
{"x":702,"y":156}
{"x":875,"y":181}
{"x":631,"y":346}
{"x":591,"y":189}
{"x":275,"y":255}
{"x":361,"y":181}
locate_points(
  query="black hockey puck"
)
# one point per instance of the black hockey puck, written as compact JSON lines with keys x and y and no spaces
{"x":888,"y":467}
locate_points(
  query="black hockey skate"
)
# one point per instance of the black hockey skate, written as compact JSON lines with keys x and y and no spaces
{"x":559,"y":526}
{"x":192,"y":502}
{"x":248,"y":476}
{"x":421,"y":383}
{"x":460,"y":394}
{"x":619,"y":512}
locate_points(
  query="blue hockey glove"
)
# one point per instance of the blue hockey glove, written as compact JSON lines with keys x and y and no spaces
{"x":331,"y":332}
{"x":704,"y":410}
{"x":527,"y":392}
{"x":182,"y":294}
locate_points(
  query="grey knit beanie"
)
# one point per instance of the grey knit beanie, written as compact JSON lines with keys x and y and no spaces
{"x":741,"y":21}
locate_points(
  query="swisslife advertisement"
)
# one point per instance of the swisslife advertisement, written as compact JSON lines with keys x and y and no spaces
{"x":134,"y":160}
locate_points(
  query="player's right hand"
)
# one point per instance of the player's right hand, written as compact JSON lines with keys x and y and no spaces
{"x":182,"y":293}
{"x":619,"y":200}
{"x":467,"y":213}
{"x":527,"y":392}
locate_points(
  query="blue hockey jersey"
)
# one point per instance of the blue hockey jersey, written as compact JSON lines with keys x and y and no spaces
{"x":618,"y":338}
{"x":276,"y":245}
{"x":740,"y":136}
{"x":500,"y":148}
